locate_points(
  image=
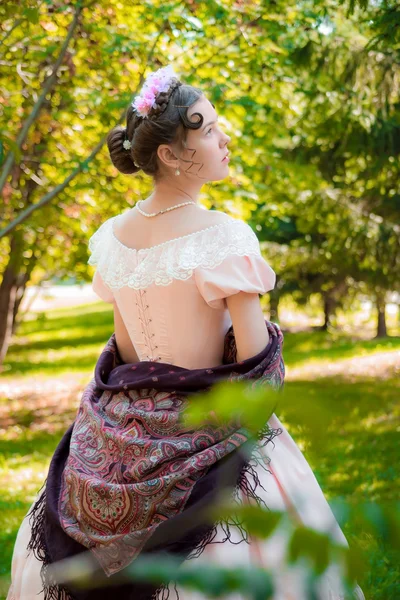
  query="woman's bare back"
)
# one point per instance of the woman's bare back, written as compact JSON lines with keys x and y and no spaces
{"x":134,"y":230}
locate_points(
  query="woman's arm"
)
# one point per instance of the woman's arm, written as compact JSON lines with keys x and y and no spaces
{"x":251,"y":334}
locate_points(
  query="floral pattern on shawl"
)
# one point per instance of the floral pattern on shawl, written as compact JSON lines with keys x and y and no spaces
{"x":132,"y":464}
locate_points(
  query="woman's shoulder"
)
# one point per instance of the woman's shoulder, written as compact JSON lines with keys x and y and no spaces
{"x":234,"y":225}
{"x":214,"y":216}
{"x":205,"y":219}
{"x":197,"y":218}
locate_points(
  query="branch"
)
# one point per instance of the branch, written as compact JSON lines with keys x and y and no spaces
{"x":220,"y":49}
{"x":9,"y":162}
{"x":9,"y":32}
{"x":23,"y":216}
{"x":17,"y":23}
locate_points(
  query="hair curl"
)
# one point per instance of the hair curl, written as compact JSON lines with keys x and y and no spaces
{"x":166,"y":123}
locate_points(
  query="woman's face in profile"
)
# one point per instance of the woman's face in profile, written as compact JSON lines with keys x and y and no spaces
{"x":206,"y":146}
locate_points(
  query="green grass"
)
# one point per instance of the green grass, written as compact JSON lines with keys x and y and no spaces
{"x":62,"y":341}
{"x":354,"y":458}
{"x":303,"y":347}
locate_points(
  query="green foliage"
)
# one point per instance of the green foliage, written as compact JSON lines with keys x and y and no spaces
{"x":312,"y":550}
{"x":309,"y":95}
{"x":313,"y":118}
{"x":233,"y":400}
{"x":257,"y":521}
{"x":354,"y":459}
{"x":212,"y":580}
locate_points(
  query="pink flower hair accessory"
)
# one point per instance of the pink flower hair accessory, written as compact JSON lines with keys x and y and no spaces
{"x":155,"y":83}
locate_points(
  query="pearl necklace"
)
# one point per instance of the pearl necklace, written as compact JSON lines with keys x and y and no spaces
{"x":160,"y":211}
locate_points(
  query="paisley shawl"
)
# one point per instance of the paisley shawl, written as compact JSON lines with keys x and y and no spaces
{"x":128,"y":477}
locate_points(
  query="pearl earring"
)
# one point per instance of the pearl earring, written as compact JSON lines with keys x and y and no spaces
{"x":177,"y":171}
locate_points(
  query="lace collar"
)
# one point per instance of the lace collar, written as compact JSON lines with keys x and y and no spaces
{"x":177,"y":258}
{"x":144,"y":250}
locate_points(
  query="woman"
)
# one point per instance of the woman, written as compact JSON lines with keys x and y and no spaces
{"x":129,"y":477}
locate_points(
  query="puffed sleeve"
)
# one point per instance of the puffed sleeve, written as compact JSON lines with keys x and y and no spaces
{"x":99,"y":247}
{"x":102,"y":289}
{"x":246,"y":273}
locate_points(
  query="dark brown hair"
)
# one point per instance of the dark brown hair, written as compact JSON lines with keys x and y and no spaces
{"x":165,"y":124}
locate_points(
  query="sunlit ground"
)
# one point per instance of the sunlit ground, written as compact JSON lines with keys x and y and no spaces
{"x":353,"y":376}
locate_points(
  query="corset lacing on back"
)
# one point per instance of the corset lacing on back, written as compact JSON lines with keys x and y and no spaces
{"x":145,"y":321}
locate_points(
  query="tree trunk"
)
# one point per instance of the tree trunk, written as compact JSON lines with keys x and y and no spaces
{"x":381,"y":330}
{"x":22,"y":280}
{"x":19,"y":316}
{"x":329,"y":309}
{"x":274,"y":305}
{"x":8,"y":292}
{"x":20,"y":274}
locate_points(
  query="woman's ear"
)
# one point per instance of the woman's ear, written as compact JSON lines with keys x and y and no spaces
{"x":167,"y":156}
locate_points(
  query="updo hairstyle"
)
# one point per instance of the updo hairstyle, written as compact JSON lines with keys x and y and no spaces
{"x":165,"y":123}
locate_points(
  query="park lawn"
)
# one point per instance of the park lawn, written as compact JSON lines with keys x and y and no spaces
{"x":355,"y":459}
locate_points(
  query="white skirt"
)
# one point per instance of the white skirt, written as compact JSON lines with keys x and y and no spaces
{"x":290,"y":486}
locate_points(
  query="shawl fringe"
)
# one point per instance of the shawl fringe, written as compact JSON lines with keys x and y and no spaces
{"x":248,"y":482}
{"x":37,"y":543}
